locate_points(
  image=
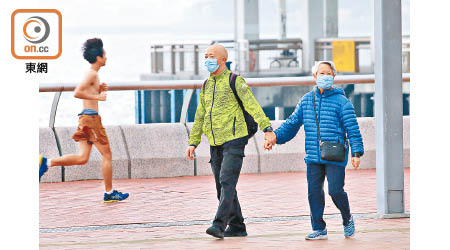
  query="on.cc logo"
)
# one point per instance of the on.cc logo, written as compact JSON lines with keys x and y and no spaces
{"x":36,"y":34}
{"x":36,"y":29}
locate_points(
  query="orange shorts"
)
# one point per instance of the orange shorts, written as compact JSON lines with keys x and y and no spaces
{"x":90,"y":129}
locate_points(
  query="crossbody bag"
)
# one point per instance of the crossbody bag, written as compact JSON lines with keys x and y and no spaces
{"x":330,"y":151}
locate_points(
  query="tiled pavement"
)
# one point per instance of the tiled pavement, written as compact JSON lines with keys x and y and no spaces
{"x":173,"y":213}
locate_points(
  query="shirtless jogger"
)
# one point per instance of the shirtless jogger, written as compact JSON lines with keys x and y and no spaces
{"x":90,"y":129}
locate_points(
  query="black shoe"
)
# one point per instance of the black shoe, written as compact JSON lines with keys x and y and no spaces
{"x":232,"y":233}
{"x":214,"y":232}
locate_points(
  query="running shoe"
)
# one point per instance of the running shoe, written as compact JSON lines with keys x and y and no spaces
{"x":115,"y":196}
{"x":317,"y":235}
{"x":42,"y":166}
{"x":349,"y":230}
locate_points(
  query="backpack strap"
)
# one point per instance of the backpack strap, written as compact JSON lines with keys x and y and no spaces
{"x":232,"y":81}
{"x":204,"y":85}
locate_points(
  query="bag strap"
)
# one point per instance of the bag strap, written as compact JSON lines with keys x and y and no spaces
{"x":315,"y":115}
{"x":204,"y":84}
{"x":232,"y":81}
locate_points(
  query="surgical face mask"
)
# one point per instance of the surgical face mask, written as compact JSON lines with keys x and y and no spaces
{"x":211,"y":65}
{"x":325,"y":81}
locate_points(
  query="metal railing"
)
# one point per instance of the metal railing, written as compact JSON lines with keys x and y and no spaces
{"x":190,"y":85}
{"x":323,"y":48}
{"x":245,"y":53}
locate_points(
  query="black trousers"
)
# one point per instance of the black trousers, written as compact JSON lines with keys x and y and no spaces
{"x":226,"y":164}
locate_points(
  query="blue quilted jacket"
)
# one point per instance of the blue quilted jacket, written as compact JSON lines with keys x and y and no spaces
{"x":336,"y":116}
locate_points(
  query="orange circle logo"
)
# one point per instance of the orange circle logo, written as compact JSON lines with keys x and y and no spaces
{"x":36,"y":29}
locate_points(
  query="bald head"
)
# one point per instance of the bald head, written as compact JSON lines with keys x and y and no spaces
{"x":218,"y":52}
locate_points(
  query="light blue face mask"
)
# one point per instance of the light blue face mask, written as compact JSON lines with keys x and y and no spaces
{"x":325,"y":82}
{"x":211,"y":65}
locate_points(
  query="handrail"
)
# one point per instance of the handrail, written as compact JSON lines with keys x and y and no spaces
{"x":196,"y":84}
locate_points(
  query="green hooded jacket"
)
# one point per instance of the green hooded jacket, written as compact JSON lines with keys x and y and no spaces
{"x":219,"y":115}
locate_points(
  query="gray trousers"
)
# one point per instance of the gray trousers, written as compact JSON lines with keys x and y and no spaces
{"x":226,"y":164}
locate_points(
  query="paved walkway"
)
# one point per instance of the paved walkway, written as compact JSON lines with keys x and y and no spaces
{"x":173,"y":213}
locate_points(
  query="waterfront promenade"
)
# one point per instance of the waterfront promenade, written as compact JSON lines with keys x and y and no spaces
{"x":173,"y":213}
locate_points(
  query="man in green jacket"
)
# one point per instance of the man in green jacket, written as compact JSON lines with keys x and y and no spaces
{"x":221,"y":119}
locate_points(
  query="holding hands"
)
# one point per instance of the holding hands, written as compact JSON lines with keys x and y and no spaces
{"x":270,"y":139}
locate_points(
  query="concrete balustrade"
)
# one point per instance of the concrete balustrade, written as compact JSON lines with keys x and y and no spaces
{"x":283,"y":158}
{"x":92,"y":170}
{"x":367,"y":128}
{"x":158,"y":150}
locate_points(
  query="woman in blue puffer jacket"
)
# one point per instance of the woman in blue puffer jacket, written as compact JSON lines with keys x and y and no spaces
{"x":337,"y":121}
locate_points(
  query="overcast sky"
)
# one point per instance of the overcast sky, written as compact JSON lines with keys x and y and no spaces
{"x":199,"y":18}
{"x":128,"y":27}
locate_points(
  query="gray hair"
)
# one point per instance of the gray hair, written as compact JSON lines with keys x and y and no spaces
{"x":315,"y":68}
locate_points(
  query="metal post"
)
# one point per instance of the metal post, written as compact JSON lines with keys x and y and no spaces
{"x":196,"y":62}
{"x":330,"y":23}
{"x":137,"y":106}
{"x":157,"y":59}
{"x":388,"y":106}
{"x":184,"y":109}
{"x":246,"y":27}
{"x":173,"y":105}
{"x":164,"y":106}
{"x":311,"y":28}
{"x":146,"y":106}
{"x":181,"y":58}
{"x":279,"y":113}
{"x":173,"y":59}
{"x":52,"y":126}
{"x":155,"y":106}
{"x":183,"y":118}
{"x":282,"y":18}
{"x":372,"y":37}
{"x":153,"y":56}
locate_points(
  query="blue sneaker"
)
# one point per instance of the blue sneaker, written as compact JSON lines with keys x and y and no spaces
{"x":349,"y":230}
{"x":42,"y":166}
{"x":115,"y":196}
{"x":317,"y":235}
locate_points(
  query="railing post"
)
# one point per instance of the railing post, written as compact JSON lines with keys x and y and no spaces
{"x":181,"y":53}
{"x":184,"y":110}
{"x":196,"y":62}
{"x":52,"y":126}
{"x":173,"y":59}
{"x":183,"y":116}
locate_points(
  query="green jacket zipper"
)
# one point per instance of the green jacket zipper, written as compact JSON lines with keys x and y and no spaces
{"x":210,"y":113}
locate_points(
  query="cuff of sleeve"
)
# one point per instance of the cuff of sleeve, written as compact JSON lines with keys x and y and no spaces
{"x":268,"y":129}
{"x":357,"y":154}
{"x":276,"y":135}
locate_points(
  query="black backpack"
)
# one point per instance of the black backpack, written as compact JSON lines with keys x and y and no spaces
{"x":252,"y":126}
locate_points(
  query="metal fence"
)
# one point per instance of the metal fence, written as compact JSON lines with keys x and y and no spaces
{"x":363,"y":55}
{"x":254,"y":56}
{"x":190,"y":85}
